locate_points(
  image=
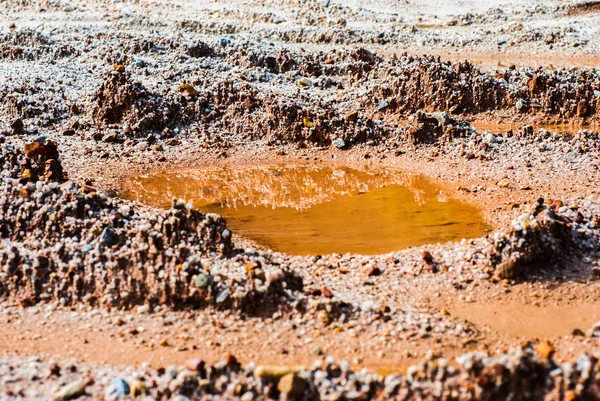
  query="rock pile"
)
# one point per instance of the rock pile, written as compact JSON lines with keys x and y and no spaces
{"x":68,"y":243}
{"x":524,"y":374}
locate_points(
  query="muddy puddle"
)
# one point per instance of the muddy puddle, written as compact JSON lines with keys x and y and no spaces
{"x":315,"y":210}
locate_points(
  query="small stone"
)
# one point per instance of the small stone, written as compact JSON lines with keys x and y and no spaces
{"x":71,"y":391}
{"x":382,"y":105}
{"x":372,"y":271}
{"x":304,"y":82}
{"x":116,"y":390}
{"x":17,"y":126}
{"x":199,"y":49}
{"x":503,"y":183}
{"x":292,"y":386}
{"x":119,"y":321}
{"x":247,"y":396}
{"x":307,"y":122}
{"x":427,"y":257}
{"x":323,"y":317}
{"x":68,"y":132}
{"x":508,"y":269}
{"x":596,"y":272}
{"x":68,"y":9}
{"x":138,"y":388}
{"x":273,"y":373}
{"x":54,"y":370}
{"x":164,"y":342}
{"x":109,"y":138}
{"x":194,"y":364}
{"x":578,"y":333}
{"x":352,"y":116}
{"x":520,"y":105}
{"x":222,"y":297}
{"x":203,"y":280}
{"x":188,"y":90}
{"x":109,"y":237}
{"x":545,"y":349}
{"x":143,"y":309}
{"x":338,"y":143}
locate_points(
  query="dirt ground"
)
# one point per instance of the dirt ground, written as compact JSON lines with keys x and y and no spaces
{"x":497,"y":102}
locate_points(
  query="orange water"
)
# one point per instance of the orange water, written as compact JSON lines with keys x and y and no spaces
{"x":313,"y":210}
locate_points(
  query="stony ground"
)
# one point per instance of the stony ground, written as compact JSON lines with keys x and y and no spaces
{"x":109,"y":299}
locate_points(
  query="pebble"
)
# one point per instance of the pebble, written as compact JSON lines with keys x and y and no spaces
{"x":116,"y":390}
{"x":71,"y":391}
{"x":339,"y":143}
{"x":292,"y":386}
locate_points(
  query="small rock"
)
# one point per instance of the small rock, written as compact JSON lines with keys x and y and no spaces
{"x":372,"y":271}
{"x":203,"y":280}
{"x":194,"y":364}
{"x":138,"y":388}
{"x":109,"y":237}
{"x":307,"y":122}
{"x":199,"y":49}
{"x":304,"y":82}
{"x":352,"y":116}
{"x":427,"y":257}
{"x":143,"y":309}
{"x":109,"y":138}
{"x":273,"y":373}
{"x":508,"y":269}
{"x":545,"y":349}
{"x":338,"y":143}
{"x":116,"y":390}
{"x":292,"y":386}
{"x":222,"y":297}
{"x":71,"y":391}
{"x":17,"y":126}
{"x":188,"y":90}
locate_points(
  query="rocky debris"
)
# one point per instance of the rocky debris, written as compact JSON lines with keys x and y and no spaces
{"x":41,"y":162}
{"x":543,"y":235}
{"x":584,"y":7}
{"x":429,"y":84}
{"x":17,"y":126}
{"x":429,"y":128}
{"x":30,"y":45}
{"x":200,"y":49}
{"x":521,"y":374}
{"x":121,"y":101}
{"x":71,"y":391}
{"x":69,"y":243}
